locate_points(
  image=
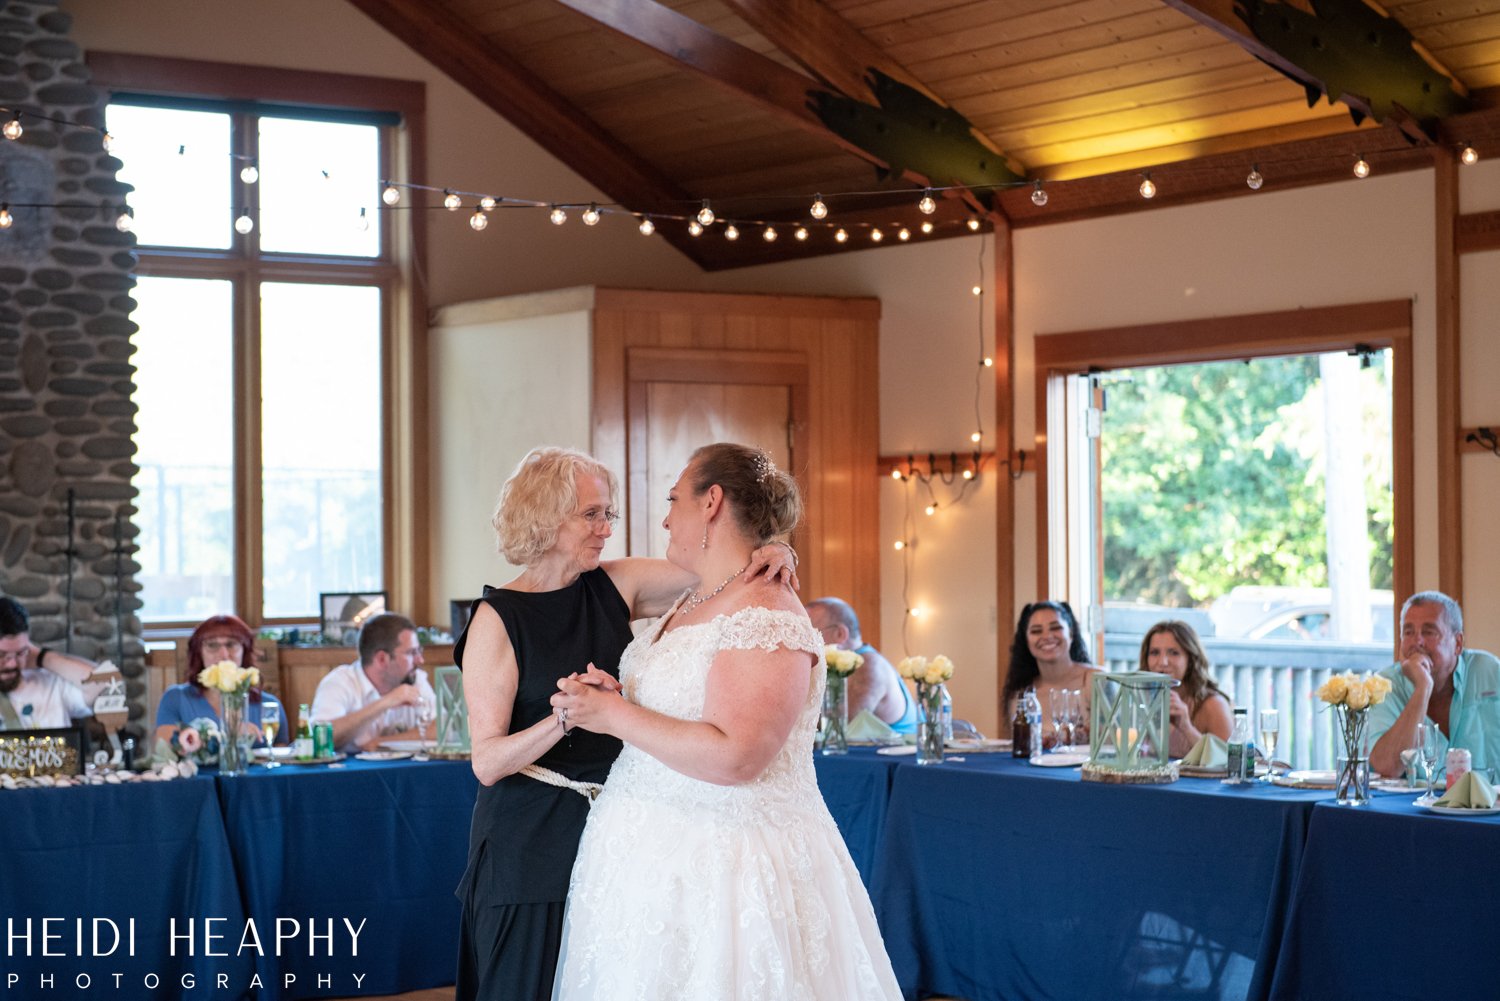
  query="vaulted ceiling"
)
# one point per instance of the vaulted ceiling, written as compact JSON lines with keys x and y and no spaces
{"x":756,"y":105}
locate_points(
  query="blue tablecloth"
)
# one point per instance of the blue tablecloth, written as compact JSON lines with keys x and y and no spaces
{"x":144,"y":852}
{"x":377,"y":848}
{"x":1394,"y":902}
{"x":857,"y":789}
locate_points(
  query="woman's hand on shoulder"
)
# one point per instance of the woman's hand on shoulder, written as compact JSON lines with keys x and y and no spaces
{"x":775,"y":561}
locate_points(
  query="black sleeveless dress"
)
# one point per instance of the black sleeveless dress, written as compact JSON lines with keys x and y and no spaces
{"x":524,"y":835}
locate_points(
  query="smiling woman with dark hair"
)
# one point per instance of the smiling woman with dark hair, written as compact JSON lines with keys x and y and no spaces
{"x":1048,"y":654}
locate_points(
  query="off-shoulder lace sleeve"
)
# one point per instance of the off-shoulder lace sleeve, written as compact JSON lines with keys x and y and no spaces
{"x":767,"y":629}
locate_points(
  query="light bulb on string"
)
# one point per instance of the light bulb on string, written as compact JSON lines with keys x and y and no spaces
{"x":896,"y":474}
{"x":6,"y":219}
{"x":926,"y":226}
{"x":800,"y":233}
{"x":1361,"y":168}
{"x":451,"y":201}
{"x":1038,"y":194}
{"x":106,"y":140}
{"x":1254,"y":179}
{"x":988,"y":362}
{"x":818,"y":210}
{"x":931,"y":509}
{"x":647,"y":227}
{"x":1148,"y":187}
{"x":558,"y":215}
{"x":841,"y":236}
{"x":694,"y":229}
{"x":478,"y":220}
{"x":915,"y":611}
{"x":391,"y":195}
{"x":973,"y":224}
{"x":977,"y":437}
{"x":927,"y":206}
{"x":977,"y":290}
{"x":1469,"y":156}
{"x":899,"y":545}
{"x":12,"y":129}
{"x":968,"y":474}
{"x":732,"y":232}
{"x":706,"y":214}
{"x":876,"y":235}
{"x":488,"y":203}
{"x":244,"y":224}
{"x":124,"y":222}
{"x":903,"y":234}
{"x":769,"y":235}
{"x":591,"y":215}
{"x":249,"y":173}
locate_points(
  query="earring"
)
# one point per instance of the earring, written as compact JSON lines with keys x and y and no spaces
{"x":705,"y":538}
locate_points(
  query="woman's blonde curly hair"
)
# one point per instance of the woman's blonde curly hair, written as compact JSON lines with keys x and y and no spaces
{"x":538,"y":497}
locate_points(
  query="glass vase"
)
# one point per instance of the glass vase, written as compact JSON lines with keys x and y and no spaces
{"x":234,"y":747}
{"x":929,"y":724}
{"x":1351,"y":776}
{"x":836,"y":715}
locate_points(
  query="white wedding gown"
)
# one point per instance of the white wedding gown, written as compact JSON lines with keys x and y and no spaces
{"x":688,"y":891}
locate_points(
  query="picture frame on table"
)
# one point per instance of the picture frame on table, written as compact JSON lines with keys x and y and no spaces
{"x":343,"y":613}
{"x":53,"y":752}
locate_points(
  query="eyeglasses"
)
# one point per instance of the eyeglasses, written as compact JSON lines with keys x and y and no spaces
{"x":16,"y":657}
{"x":222,"y":644}
{"x":596,"y":517}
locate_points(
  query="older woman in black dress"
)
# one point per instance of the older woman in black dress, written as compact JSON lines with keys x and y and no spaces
{"x":566,"y":610}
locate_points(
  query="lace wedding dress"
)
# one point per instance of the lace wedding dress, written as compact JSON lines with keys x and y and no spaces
{"x":688,"y":890}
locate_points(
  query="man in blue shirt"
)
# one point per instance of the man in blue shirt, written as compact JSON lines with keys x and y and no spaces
{"x":876,"y":686}
{"x":1437,"y":680}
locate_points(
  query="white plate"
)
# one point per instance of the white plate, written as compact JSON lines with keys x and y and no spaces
{"x":402,"y":745}
{"x":1306,"y":779}
{"x":1061,"y":759}
{"x":1456,"y":811}
{"x":280,"y":752}
{"x":1202,"y":771}
{"x":383,"y":755}
{"x":985,"y":744}
{"x":327,"y":759}
{"x":899,"y":750}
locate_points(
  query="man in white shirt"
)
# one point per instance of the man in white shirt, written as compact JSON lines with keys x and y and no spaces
{"x":379,"y":696}
{"x":41,"y":686}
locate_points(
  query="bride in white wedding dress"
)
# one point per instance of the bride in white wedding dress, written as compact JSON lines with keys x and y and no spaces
{"x":710,"y":868}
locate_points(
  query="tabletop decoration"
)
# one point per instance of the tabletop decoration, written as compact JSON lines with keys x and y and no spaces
{"x":1351,"y":696}
{"x":1129,"y":728}
{"x":835,"y":722}
{"x":928,"y":676}
{"x":233,"y":684}
{"x":452,"y":713}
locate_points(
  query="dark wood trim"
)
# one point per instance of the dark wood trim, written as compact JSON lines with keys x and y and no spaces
{"x":1302,"y":331}
{"x":1448,"y":353}
{"x":740,"y":304}
{"x":1004,"y":353}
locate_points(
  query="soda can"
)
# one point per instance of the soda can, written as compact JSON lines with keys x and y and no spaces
{"x":1457,"y":764}
{"x":322,"y":739}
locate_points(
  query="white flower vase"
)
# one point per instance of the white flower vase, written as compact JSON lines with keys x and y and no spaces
{"x":929,"y":724}
{"x":1352,"y":775}
{"x":836,"y":715}
{"x":234,"y":748}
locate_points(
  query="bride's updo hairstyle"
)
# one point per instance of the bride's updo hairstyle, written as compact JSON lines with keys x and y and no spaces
{"x":764,"y":499}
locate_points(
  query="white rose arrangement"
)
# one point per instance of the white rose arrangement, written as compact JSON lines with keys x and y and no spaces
{"x":227,"y":676}
{"x":842,"y":662}
{"x":1351,"y":696}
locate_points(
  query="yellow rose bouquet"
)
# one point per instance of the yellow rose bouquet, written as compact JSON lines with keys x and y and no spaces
{"x":929,"y":676}
{"x":1351,"y":695}
{"x":835,"y":722}
{"x":233,"y":683}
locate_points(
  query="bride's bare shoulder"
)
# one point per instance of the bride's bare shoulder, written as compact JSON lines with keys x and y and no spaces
{"x":771,"y":594}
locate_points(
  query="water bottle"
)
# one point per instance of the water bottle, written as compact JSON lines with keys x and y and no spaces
{"x":947,"y":715}
{"x":1034,"y":721}
{"x":1241,"y":754}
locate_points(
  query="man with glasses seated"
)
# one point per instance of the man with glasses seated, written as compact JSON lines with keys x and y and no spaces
{"x":379,"y":696}
{"x":1437,"y":681}
{"x":876,"y":686}
{"x":41,"y":686}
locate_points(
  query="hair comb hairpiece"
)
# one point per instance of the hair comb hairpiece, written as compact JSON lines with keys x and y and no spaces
{"x":764,"y":467}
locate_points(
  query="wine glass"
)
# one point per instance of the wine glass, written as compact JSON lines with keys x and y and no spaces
{"x":1076,"y":717}
{"x":270,"y":725}
{"x":1270,"y":730}
{"x":1426,"y":745}
{"x":426,"y":713}
{"x":1062,"y":735}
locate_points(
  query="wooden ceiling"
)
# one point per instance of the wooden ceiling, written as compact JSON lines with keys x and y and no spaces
{"x":662,"y":105}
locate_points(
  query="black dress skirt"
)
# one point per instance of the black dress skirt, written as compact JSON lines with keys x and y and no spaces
{"x":524,"y":834}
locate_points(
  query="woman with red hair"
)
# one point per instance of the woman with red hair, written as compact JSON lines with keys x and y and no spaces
{"x":218,"y":638}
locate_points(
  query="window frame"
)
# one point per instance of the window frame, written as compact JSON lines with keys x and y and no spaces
{"x":251,"y":91}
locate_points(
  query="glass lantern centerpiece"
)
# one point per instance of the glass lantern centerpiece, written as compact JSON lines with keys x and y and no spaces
{"x":452,"y":714}
{"x":1129,"y":728}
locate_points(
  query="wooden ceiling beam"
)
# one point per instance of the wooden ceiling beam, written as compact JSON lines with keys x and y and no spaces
{"x":518,"y":96}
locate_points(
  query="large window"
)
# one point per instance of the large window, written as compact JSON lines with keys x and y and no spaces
{"x":264,"y":298}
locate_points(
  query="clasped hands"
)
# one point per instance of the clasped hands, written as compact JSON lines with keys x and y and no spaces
{"x":582,"y":699}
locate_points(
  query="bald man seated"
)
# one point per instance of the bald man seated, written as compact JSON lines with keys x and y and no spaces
{"x":875,"y":686}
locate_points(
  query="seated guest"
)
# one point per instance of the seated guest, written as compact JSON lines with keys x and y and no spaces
{"x":218,"y":638}
{"x":41,"y":687}
{"x":875,"y":686}
{"x":1197,"y":707}
{"x":1047,"y":654}
{"x":1437,"y":680}
{"x":374,"y":698}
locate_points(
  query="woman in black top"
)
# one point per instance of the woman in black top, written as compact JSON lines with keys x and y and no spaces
{"x":567,"y":610}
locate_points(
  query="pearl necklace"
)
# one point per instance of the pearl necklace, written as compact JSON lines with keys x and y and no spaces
{"x":699,"y":598}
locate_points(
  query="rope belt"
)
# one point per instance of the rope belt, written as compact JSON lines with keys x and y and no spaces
{"x":591,"y":790}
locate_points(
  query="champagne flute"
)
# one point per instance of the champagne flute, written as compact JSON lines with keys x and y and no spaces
{"x":1427,"y":747}
{"x":1061,"y":736}
{"x":1270,"y":730}
{"x":1076,"y":718}
{"x":426,"y":713}
{"x":270,"y":724}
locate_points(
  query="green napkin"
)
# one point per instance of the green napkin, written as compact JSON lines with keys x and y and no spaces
{"x":1210,"y":752}
{"x":1472,"y":791}
{"x":868,"y":726}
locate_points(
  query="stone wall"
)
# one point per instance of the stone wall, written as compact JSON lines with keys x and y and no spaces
{"x":66,"y":416}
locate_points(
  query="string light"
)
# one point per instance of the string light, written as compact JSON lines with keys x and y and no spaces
{"x":558,"y":215}
{"x":915,"y":611}
{"x":249,"y":173}
{"x":818,"y":210}
{"x":800,"y":233}
{"x":123,"y":222}
{"x":1254,"y":180}
{"x":900,"y":544}
{"x":1469,"y":156}
{"x":1361,"y":168}
{"x":903,"y":234}
{"x":647,"y":227}
{"x":391,"y":195}
{"x":977,"y":290}
{"x":6,"y":219}
{"x":706,"y":214}
{"x":841,"y":236}
{"x":591,"y":215}
{"x":451,"y":201}
{"x":694,"y":229}
{"x":968,"y":474}
{"x":106,"y":140}
{"x":769,"y":235}
{"x":244,"y":224}
{"x":487,"y":203}
{"x":1148,"y":187}
{"x":895,"y":474}
{"x":988,"y":362}
{"x":876,"y":236}
{"x":931,"y":509}
{"x":478,"y":220}
{"x":1039,"y":194}
{"x":973,"y":224}
{"x":927,"y":206}
{"x":12,"y":129}
{"x":977,"y":437}
{"x":732,"y":232}
{"x":926,"y":227}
